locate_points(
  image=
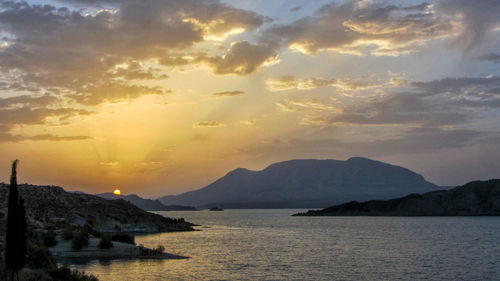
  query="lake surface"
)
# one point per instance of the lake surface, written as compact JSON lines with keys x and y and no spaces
{"x":272,"y":245}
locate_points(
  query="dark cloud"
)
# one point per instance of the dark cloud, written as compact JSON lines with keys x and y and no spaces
{"x":296,"y":9}
{"x":242,"y":58}
{"x":227,"y":94}
{"x":478,"y":18}
{"x":493,"y":57}
{"x":209,"y":124}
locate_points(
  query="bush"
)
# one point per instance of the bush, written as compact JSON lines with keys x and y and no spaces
{"x":87,"y":228}
{"x":160,"y":249}
{"x":66,"y":274}
{"x":38,"y":256}
{"x":49,"y":239}
{"x":105,"y":243}
{"x":67,"y":234}
{"x":124,"y":238}
{"x":80,"y":241}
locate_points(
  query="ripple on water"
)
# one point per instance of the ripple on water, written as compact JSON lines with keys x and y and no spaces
{"x":272,"y":245}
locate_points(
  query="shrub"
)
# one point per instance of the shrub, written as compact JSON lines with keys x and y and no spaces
{"x":67,"y":234}
{"x":105,"y":243}
{"x":38,"y":256}
{"x":66,"y":274}
{"x":80,"y":241}
{"x":49,"y":239}
{"x":124,"y":238}
{"x":160,"y":249}
{"x":87,"y":228}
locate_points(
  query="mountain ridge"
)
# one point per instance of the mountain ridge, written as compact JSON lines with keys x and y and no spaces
{"x":143,"y":203}
{"x":476,"y":198}
{"x":317,"y":182}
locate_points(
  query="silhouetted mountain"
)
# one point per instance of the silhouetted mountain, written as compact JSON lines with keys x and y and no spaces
{"x":306,"y":183}
{"x":145,"y":204}
{"x":477,"y":198}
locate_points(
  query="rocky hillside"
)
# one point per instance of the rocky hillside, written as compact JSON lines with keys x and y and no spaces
{"x":306,"y":183}
{"x":52,"y":207}
{"x":477,"y":198}
{"x":145,"y":204}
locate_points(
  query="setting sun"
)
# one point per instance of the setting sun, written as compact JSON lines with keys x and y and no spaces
{"x":117,"y":192}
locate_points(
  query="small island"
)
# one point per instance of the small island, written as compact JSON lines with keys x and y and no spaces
{"x":216,"y":209}
{"x":477,"y":198}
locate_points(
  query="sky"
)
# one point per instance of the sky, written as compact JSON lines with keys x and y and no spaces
{"x":159,"y":97}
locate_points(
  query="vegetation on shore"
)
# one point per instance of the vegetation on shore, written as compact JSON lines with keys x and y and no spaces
{"x":26,"y":253}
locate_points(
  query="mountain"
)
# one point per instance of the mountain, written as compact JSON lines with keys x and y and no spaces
{"x":145,"y":204}
{"x":306,"y":183}
{"x":50,"y":207}
{"x":477,"y":198}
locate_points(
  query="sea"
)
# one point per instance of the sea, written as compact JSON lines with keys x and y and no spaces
{"x":273,"y":245}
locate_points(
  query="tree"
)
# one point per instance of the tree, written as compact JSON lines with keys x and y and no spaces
{"x":15,"y":238}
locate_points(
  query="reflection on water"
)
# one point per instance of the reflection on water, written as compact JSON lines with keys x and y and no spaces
{"x":272,"y":245}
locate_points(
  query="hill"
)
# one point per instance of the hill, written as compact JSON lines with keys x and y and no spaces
{"x":477,"y":198}
{"x":50,"y":207}
{"x":306,"y":183}
{"x":145,"y":204}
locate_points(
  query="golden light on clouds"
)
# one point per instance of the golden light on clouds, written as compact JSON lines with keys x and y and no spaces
{"x":175,"y":96}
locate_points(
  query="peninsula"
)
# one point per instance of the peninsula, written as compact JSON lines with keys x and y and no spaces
{"x":477,"y":198}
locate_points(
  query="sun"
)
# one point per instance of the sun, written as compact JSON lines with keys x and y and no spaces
{"x":117,"y":192}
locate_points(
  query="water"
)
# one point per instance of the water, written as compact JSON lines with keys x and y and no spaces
{"x":272,"y":245}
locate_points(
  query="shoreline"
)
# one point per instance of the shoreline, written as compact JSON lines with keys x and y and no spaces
{"x":63,"y":250}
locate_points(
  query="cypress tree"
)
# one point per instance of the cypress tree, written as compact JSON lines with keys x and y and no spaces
{"x":16,"y":236}
{"x":12,"y":233}
{"x":22,"y":238}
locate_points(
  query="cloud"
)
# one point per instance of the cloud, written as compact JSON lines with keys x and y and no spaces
{"x":290,"y":82}
{"x":371,"y":28}
{"x":92,"y":57}
{"x":248,"y":122}
{"x":36,"y":116}
{"x":308,"y":104}
{"x":413,"y":141}
{"x":209,"y":124}
{"x":450,"y":101}
{"x":112,"y":92}
{"x":227,"y":94}
{"x":35,"y":110}
{"x":296,"y":9}
{"x":478,"y":19}
{"x":6,"y":137}
{"x":242,"y":58}
{"x":493,"y":57}
{"x":28,"y":101}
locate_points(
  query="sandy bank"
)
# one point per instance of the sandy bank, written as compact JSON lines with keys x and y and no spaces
{"x":120,"y":250}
